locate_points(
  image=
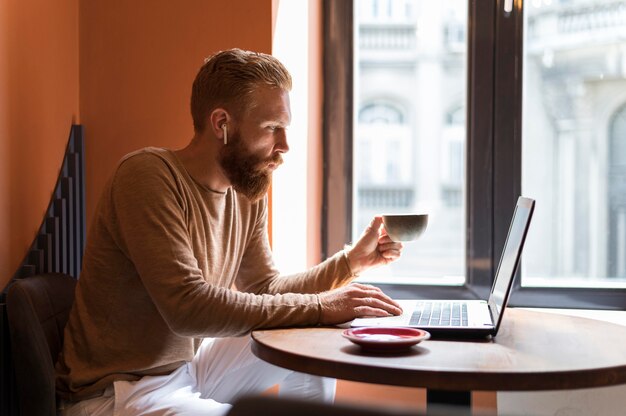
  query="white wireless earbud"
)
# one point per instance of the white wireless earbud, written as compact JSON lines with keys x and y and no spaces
{"x":225,"y":130}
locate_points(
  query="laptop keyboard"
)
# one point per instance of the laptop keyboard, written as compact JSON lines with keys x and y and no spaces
{"x":440,"y":314}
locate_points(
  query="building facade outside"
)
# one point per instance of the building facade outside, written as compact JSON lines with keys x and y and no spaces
{"x":410,"y":86}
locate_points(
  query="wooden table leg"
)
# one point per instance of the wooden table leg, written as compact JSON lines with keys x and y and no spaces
{"x":455,"y":402}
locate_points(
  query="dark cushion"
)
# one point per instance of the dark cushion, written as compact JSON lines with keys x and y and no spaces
{"x":38,"y":308}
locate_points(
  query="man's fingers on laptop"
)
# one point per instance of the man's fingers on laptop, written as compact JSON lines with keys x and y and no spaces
{"x":387,"y":300}
{"x":379,"y":306}
{"x":349,"y":302}
{"x":375,"y":292}
{"x":369,"y":312}
{"x":376,"y":300}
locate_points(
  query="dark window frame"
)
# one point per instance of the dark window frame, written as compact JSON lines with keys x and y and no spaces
{"x":493,"y":168}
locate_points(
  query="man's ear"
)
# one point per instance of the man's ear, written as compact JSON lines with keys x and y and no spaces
{"x":218,"y":123}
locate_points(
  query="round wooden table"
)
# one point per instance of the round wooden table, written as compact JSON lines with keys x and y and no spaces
{"x":532,"y":351}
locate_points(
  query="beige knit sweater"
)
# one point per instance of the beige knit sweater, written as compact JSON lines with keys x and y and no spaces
{"x":162,"y":260}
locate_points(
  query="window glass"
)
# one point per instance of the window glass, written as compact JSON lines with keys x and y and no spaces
{"x":574,"y":142}
{"x":409,"y":140}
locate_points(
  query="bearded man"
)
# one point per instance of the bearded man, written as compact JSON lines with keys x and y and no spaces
{"x":178,"y":268}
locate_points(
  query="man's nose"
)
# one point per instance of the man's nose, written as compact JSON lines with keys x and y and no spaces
{"x":281,"y":142}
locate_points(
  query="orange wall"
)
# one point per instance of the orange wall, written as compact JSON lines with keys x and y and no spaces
{"x":126,"y":66}
{"x":137,"y":62}
{"x":39,"y":95}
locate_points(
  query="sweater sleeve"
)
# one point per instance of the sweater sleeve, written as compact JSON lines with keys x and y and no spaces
{"x":152,"y":231}
{"x":258,"y":273}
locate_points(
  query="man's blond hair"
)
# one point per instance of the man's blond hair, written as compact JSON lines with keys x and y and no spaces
{"x":227,"y":80}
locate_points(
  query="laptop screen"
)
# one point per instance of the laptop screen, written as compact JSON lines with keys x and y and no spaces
{"x":511,"y":254}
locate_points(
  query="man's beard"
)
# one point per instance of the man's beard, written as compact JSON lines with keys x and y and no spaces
{"x":248,"y":173}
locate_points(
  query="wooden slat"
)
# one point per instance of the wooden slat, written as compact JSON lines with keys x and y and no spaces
{"x":73,"y":168}
{"x":44,"y":243}
{"x":52,"y":228}
{"x":79,"y":148}
{"x":68,"y":195}
{"x":71,"y":141}
{"x":36,"y":258}
{"x":61,"y":215}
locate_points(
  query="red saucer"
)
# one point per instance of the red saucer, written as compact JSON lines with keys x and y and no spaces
{"x":385,"y":338}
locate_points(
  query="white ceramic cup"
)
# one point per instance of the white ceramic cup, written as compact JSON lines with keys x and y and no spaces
{"x":405,"y":227}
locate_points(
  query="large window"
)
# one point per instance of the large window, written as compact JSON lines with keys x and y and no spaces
{"x":410,"y":131}
{"x":573,"y":142}
{"x":455,"y":108}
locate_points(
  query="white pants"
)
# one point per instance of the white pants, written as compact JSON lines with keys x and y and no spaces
{"x":222,"y":370}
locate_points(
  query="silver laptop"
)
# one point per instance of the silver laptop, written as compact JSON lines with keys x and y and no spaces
{"x":468,"y":318}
